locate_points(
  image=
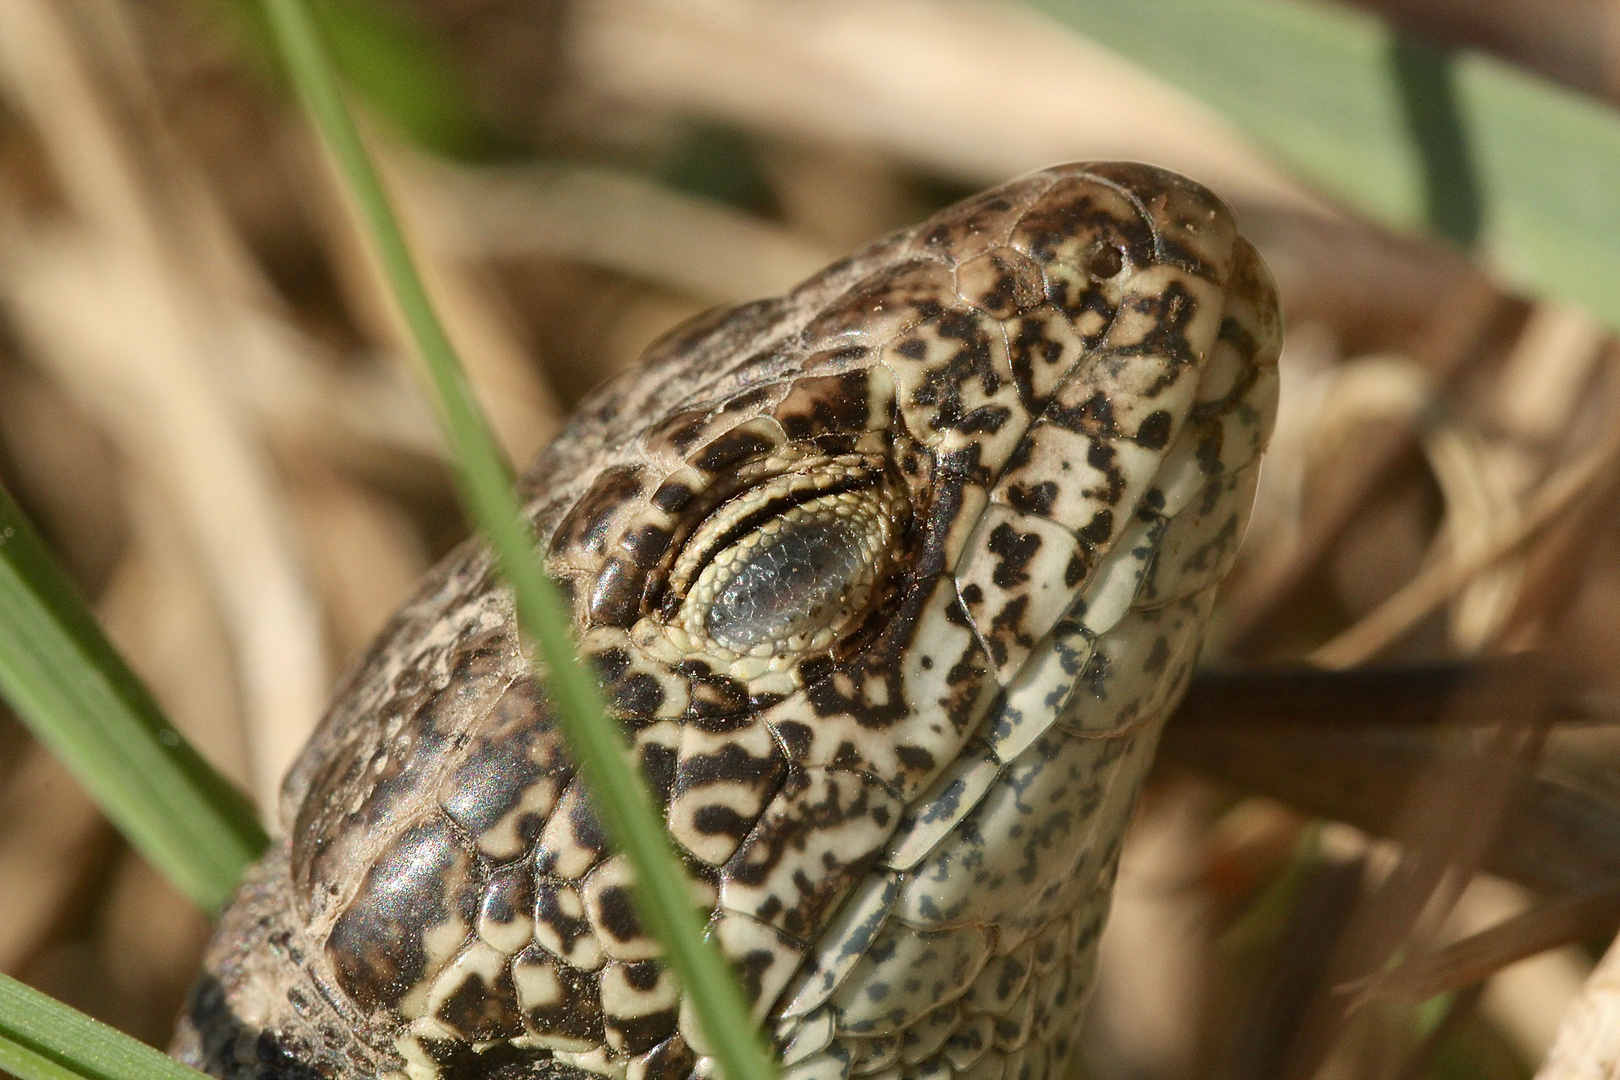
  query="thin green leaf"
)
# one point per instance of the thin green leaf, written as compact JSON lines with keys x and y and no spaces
{"x":42,"y":1039}
{"x":663,"y":899}
{"x":1524,"y":173}
{"x":69,"y":685}
{"x":394,"y":63}
{"x":407,"y":75}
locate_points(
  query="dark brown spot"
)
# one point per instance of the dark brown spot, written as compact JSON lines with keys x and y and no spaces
{"x":616,"y":597}
{"x":657,"y":770}
{"x":637,"y":694}
{"x":616,"y":913}
{"x":508,"y":896}
{"x":645,"y":544}
{"x":796,"y":738}
{"x":730,"y":764}
{"x":734,"y":447}
{"x":714,"y":698}
{"x":584,"y":528}
{"x":457,"y":1060}
{"x":1008,"y":623}
{"x":672,"y":497}
{"x":1079,"y":566}
{"x":578,"y":1011}
{"x":1001,"y":282}
{"x":1158,"y":658}
{"x":1154,"y":431}
{"x":549,"y":912}
{"x":669,"y":1060}
{"x":1094,"y":415}
{"x":1015,"y":550}
{"x":1098,"y":529}
{"x":825,"y":405}
{"x":748,"y":399}
{"x":914,"y":758}
{"x":679,"y":433}
{"x":636,"y":1034}
{"x":1036,"y":499}
{"x":751,"y":968}
{"x":715,"y":820}
{"x":1077,"y":208}
{"x":482,"y":1012}
{"x":1168,"y":314}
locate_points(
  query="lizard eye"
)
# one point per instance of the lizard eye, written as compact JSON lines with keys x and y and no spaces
{"x":796,"y":581}
{"x":790,"y":566}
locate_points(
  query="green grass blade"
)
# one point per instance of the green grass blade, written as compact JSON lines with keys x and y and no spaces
{"x":394,"y":63}
{"x":42,"y":1039}
{"x":664,"y":902}
{"x":69,"y":685}
{"x":1524,"y":173}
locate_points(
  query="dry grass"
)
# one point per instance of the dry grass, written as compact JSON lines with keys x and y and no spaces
{"x":203,"y":402}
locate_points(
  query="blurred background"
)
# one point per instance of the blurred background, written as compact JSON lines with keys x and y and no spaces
{"x":206,"y":406}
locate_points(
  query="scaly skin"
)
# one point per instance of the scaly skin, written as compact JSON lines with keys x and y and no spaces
{"x":891,"y":581}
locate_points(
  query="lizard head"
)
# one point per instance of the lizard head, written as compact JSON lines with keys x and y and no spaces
{"x":890,"y":582}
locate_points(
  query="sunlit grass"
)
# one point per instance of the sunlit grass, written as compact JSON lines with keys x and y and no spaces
{"x":42,"y":1039}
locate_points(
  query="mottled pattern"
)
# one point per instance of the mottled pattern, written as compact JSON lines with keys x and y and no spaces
{"x":890,"y":582}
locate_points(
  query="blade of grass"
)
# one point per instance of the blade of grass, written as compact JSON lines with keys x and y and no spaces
{"x":663,"y":900}
{"x":69,"y":685}
{"x":1524,"y":173}
{"x":394,"y":63}
{"x":42,"y":1039}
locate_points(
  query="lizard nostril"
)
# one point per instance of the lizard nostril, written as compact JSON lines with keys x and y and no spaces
{"x":1105,"y":262}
